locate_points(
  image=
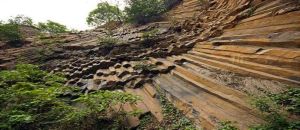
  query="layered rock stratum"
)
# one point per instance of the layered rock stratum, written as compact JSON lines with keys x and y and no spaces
{"x":208,"y":58}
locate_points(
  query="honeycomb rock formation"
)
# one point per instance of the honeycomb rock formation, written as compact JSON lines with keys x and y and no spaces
{"x":208,"y":63}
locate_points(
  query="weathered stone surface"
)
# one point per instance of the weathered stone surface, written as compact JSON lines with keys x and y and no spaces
{"x":107,"y":85}
{"x":205,"y":61}
{"x":122,"y":74}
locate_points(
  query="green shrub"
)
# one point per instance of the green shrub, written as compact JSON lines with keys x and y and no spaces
{"x":290,"y":99}
{"x":34,"y":99}
{"x":276,"y":120}
{"x":10,"y":32}
{"x":174,"y":119}
{"x":262,"y":104}
{"x":144,"y":11}
{"x":104,"y":13}
{"x":52,"y":27}
{"x":144,"y":66}
{"x":107,"y":41}
{"x":146,"y":121}
{"x":226,"y":125}
{"x":150,"y":34}
{"x":21,"y":20}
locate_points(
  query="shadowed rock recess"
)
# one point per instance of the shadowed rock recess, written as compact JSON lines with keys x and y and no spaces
{"x":209,"y":58}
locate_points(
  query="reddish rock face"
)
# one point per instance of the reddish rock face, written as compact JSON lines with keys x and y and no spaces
{"x":207,"y":62}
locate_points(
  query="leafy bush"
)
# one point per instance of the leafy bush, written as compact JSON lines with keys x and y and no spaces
{"x":107,"y":41}
{"x":144,"y":11}
{"x":262,"y":104}
{"x":52,"y":27}
{"x":21,"y":20}
{"x":276,"y":121}
{"x":34,"y":99}
{"x":289,"y":100}
{"x":150,"y":34}
{"x":104,"y":13}
{"x":172,"y":116}
{"x":226,"y":125}
{"x":10,"y":32}
{"x":144,"y":66}
{"x":147,"y":121}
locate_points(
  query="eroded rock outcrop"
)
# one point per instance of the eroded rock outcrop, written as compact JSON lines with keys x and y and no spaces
{"x":209,"y":62}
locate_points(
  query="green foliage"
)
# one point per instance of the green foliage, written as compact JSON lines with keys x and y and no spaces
{"x":276,"y":121}
{"x":48,"y":41}
{"x":145,"y":121}
{"x":104,"y":13}
{"x":52,"y":27}
{"x":262,"y":104}
{"x":10,"y":32}
{"x":136,"y":112}
{"x":144,"y":11}
{"x":183,"y":123}
{"x":28,"y":96}
{"x":33,"y":99}
{"x":150,"y":34}
{"x":144,"y":66}
{"x":226,"y":125}
{"x":107,"y":41}
{"x":174,"y":117}
{"x":289,"y":100}
{"x":23,"y":73}
{"x":250,"y":11}
{"x":100,"y":101}
{"x":95,"y":107}
{"x":21,"y":20}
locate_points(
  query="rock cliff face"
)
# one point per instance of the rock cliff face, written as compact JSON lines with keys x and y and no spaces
{"x":208,"y":62}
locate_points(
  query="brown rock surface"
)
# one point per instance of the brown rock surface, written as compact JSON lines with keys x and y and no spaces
{"x":207,"y":62}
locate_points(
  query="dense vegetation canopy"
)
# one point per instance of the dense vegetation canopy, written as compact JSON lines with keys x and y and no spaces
{"x":143,"y":11}
{"x":137,"y":11}
{"x":104,"y":13}
{"x":52,"y":27}
{"x":9,"y":32}
{"x":34,"y":99}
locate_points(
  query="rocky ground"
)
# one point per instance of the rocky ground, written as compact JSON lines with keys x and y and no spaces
{"x":208,"y":61}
